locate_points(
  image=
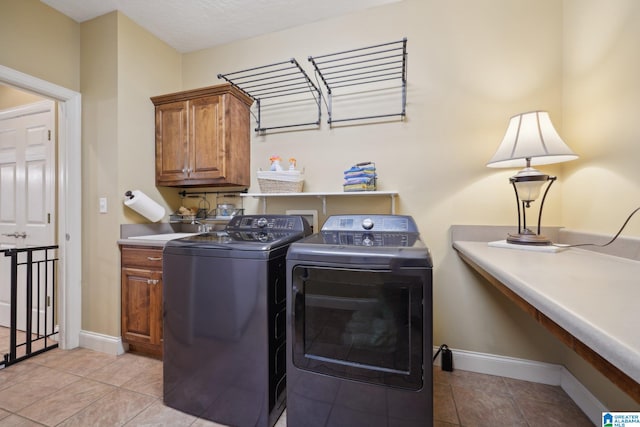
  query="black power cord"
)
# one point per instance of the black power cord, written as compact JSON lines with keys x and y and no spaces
{"x":447,"y":358}
{"x":604,"y":244}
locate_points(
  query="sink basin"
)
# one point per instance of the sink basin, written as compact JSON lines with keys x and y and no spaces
{"x":163,"y":237}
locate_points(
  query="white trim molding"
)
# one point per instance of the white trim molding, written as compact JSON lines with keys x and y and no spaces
{"x":103,"y":343}
{"x":528,"y":370}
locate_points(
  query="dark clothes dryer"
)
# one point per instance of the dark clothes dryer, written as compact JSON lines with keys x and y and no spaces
{"x":359,"y":325}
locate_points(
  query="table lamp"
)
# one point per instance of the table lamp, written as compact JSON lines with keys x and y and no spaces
{"x":530,"y":140}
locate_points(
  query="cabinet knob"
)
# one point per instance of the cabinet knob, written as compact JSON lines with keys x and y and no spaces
{"x":153,"y":258}
{"x":152,"y":281}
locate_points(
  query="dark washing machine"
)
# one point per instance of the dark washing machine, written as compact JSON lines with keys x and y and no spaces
{"x":359,"y":325}
{"x":224,"y":320}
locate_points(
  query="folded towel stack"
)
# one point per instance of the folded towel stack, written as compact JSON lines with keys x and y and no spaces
{"x":360,"y":177}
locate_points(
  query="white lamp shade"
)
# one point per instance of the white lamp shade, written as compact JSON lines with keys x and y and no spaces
{"x":531,"y":136}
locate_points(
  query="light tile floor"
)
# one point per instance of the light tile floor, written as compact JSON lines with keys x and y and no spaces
{"x":463,"y":398}
{"x":5,"y":342}
{"x":82,"y":387}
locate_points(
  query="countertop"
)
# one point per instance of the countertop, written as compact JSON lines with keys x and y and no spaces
{"x":593,"y":296}
{"x":158,"y":234}
{"x":158,"y":240}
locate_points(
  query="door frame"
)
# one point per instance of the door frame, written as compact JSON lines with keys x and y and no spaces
{"x":69,"y":198}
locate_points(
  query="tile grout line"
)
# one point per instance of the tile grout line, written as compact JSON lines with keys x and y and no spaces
{"x":518,"y":393}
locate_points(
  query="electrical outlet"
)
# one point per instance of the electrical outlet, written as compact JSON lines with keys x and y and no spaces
{"x":103,"y":205}
{"x":310,"y":215}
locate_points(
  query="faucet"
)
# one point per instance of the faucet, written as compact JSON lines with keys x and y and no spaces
{"x":203,"y":227}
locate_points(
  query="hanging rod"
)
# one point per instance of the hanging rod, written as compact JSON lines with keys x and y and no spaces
{"x":184,"y":193}
{"x":362,"y":66}
{"x":277,"y":80}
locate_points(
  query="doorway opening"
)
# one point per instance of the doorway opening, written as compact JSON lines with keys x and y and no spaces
{"x":68,"y":188}
{"x":28,"y":146}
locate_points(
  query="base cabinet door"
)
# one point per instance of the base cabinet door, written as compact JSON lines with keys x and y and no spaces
{"x":141,"y":303}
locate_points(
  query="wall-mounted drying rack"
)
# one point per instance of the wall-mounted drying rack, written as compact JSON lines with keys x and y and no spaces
{"x":363,"y":66}
{"x":280,"y":80}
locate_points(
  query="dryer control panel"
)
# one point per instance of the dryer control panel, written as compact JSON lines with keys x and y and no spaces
{"x":377,"y":223}
{"x":370,"y":230}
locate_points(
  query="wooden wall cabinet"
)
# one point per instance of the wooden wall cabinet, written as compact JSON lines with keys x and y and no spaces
{"x":141,"y":299}
{"x":203,"y":137}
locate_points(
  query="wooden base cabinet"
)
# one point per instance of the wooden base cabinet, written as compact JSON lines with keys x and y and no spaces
{"x":203,"y":137}
{"x":142,"y":299}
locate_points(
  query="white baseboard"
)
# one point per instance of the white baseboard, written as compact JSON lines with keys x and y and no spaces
{"x":586,"y":401}
{"x":527,"y":370}
{"x":103,"y":343}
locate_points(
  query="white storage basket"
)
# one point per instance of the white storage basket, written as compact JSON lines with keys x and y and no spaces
{"x":280,"y":181}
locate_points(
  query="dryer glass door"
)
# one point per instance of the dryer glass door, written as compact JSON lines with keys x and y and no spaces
{"x":363,"y":325}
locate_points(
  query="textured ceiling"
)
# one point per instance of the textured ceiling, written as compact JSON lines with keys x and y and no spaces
{"x":189,"y":25}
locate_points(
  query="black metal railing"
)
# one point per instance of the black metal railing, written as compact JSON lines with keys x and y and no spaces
{"x":32,"y":278}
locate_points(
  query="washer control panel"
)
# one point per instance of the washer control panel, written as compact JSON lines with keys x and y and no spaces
{"x":266,"y":223}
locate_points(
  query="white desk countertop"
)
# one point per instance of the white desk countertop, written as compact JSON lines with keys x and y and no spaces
{"x":593,"y":296}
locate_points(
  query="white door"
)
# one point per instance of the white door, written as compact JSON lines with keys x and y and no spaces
{"x":27,"y":195}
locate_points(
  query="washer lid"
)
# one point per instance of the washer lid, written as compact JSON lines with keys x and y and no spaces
{"x":250,"y":233}
{"x":239,"y":240}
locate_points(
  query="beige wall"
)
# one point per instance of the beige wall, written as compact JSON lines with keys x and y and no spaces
{"x":601,"y":99}
{"x":601,"y":109}
{"x":38,"y":40}
{"x":122,"y":66}
{"x":469,"y":71}
{"x":146,"y":67}
{"x":100,"y":289}
{"x":11,"y":97}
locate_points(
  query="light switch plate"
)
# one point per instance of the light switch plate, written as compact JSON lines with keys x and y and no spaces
{"x":103,"y":205}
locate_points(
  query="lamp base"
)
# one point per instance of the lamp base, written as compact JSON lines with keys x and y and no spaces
{"x":528,"y":237}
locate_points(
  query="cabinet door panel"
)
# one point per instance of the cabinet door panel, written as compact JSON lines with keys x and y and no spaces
{"x":171,"y":142}
{"x":207,"y":150}
{"x":141,"y":305}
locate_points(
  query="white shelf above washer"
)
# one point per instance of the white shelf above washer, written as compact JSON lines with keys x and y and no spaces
{"x":323,"y":196}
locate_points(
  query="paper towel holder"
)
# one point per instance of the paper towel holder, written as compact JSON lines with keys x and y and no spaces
{"x":145,"y":206}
